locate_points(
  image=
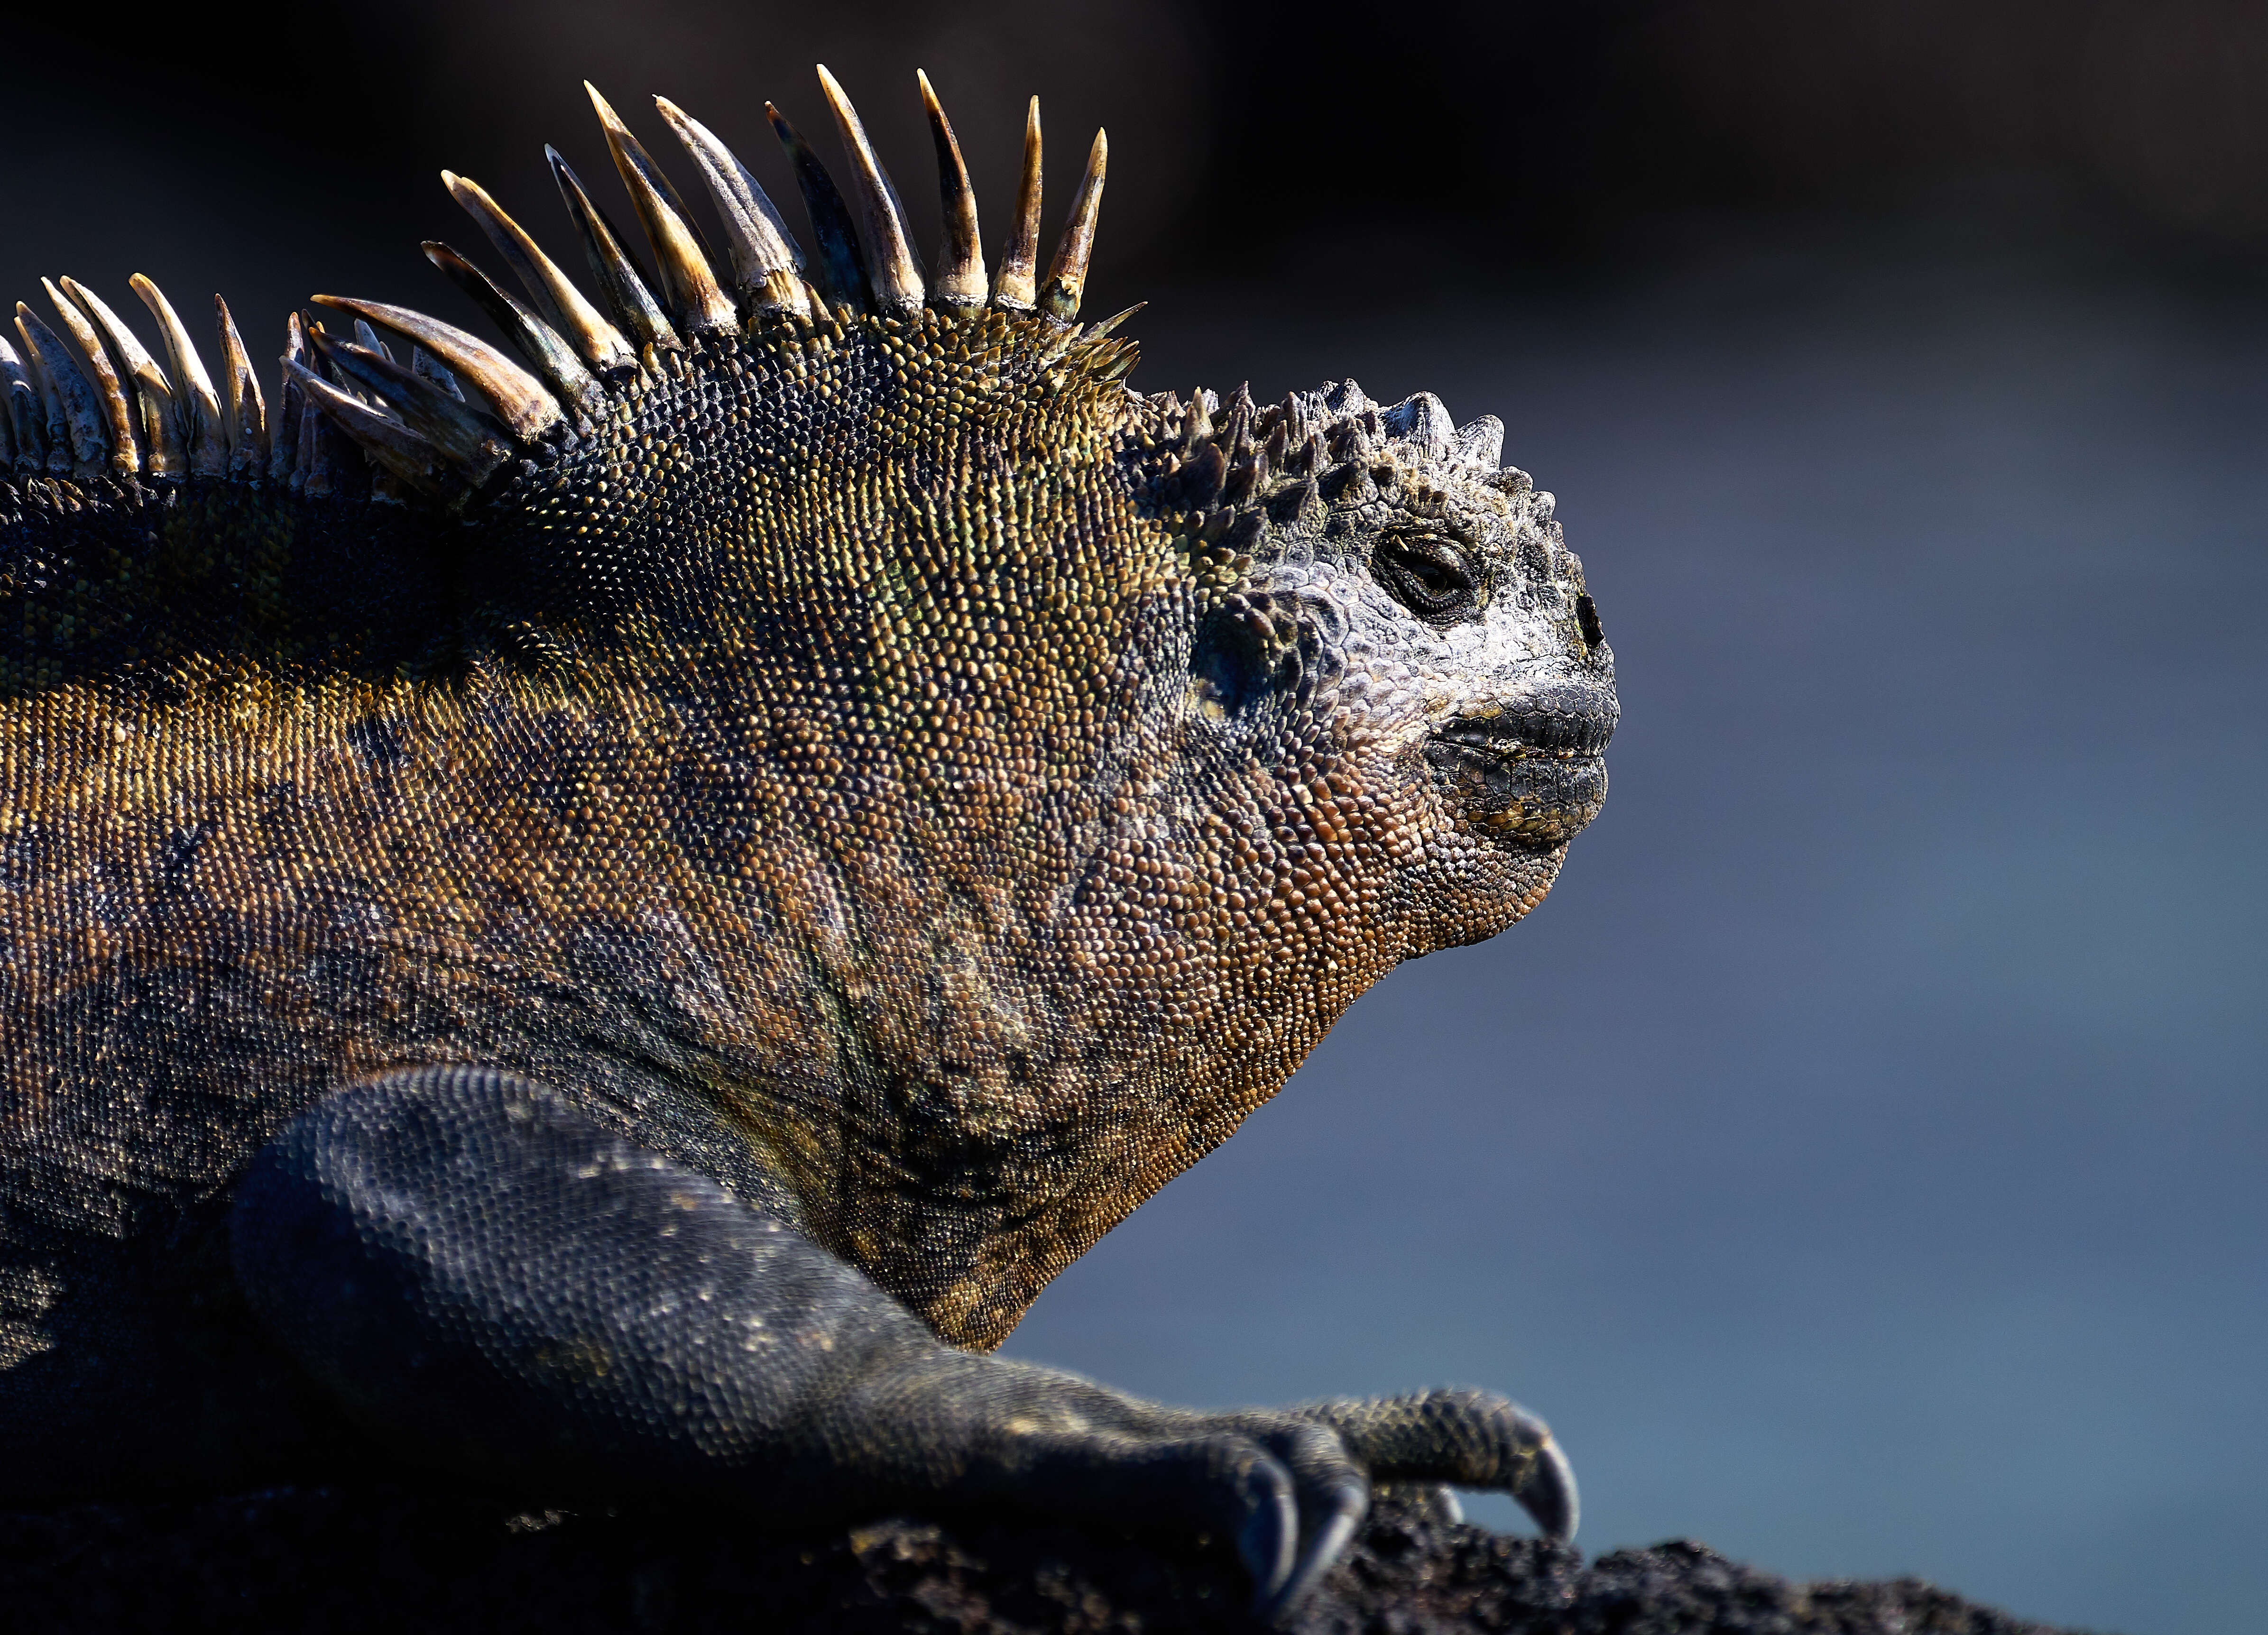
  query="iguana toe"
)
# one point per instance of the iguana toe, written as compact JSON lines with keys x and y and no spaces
{"x":1269,"y":1545}
{"x":1333,"y":1531}
{"x":1334,"y":1496}
{"x":1548,"y":1492}
{"x":1470,"y":1438}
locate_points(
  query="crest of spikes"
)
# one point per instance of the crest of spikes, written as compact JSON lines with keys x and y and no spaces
{"x":440,"y":424}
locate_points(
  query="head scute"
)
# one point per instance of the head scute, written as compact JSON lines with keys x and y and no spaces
{"x":1222,"y":460}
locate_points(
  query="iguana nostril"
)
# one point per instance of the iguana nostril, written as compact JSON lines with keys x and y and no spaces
{"x":1586,"y":616}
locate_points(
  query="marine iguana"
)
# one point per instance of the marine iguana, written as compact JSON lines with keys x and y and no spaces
{"x":604,"y":921}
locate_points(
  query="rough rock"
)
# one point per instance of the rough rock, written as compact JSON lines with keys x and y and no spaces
{"x":335,"y":1559}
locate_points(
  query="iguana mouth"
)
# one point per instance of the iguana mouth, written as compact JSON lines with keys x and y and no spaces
{"x":1559,"y":729}
{"x":1531,"y":773}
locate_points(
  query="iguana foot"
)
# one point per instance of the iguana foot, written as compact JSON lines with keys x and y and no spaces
{"x":1302,"y":1477}
{"x":1464,"y":1437}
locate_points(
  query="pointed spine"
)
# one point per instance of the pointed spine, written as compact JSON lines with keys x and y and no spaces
{"x":96,"y":332}
{"x":957,"y":281}
{"x":1291,"y":414}
{"x":1017,"y":286}
{"x":196,"y":406}
{"x":424,"y":363}
{"x":892,"y":271}
{"x":163,"y":452}
{"x":519,"y":399}
{"x":760,"y":250}
{"x":54,"y":419}
{"x":633,"y":304}
{"x":311,"y":423}
{"x":393,"y":446}
{"x":538,"y":342}
{"x":556,"y":299}
{"x":367,"y":338}
{"x":74,"y":403}
{"x":1202,"y":475}
{"x":24,"y":410}
{"x":326,"y":434}
{"x":842,"y":272}
{"x":1347,"y":439}
{"x":1096,"y":332}
{"x":247,"y":413}
{"x":1196,"y":426}
{"x":1236,"y":423}
{"x":699,"y":307}
{"x":1121,"y":358}
{"x":290,"y":405}
{"x":1067,"y":278}
{"x":122,"y":456}
{"x":464,"y":435}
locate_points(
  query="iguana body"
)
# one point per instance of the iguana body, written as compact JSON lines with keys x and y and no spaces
{"x":612,"y":927}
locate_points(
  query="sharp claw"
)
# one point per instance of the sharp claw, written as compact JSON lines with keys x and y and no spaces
{"x":1348,"y":1506}
{"x":1548,"y":1492}
{"x":1268,"y":1544}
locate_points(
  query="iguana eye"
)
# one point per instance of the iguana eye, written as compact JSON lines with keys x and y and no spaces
{"x":1429,"y":576}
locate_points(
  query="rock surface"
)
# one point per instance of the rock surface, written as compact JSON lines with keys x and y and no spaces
{"x":382,"y":1559}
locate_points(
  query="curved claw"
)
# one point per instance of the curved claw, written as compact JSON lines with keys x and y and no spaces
{"x":1269,"y":1544}
{"x":1546,"y":1492}
{"x":1349,"y":1503}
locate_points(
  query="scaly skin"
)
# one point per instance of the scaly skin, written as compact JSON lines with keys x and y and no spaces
{"x":884,"y":793}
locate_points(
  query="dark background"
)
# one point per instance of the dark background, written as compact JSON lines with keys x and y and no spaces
{"x":1859,"y":1157}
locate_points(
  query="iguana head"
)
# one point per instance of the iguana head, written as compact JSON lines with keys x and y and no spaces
{"x":1390,"y":602}
{"x":990,"y":779}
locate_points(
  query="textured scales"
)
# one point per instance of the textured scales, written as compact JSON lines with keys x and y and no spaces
{"x":872,"y":761}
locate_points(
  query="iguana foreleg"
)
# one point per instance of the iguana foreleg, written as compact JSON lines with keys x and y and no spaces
{"x":497,"y":1285}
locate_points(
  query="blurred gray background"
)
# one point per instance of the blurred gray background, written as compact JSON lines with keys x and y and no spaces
{"x":1858,"y":1158}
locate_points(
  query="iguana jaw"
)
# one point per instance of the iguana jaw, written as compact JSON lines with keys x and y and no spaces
{"x":1531,"y":772}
